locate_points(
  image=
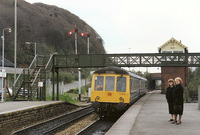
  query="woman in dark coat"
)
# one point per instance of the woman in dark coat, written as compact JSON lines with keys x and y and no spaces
{"x":169,"y":98}
{"x":178,"y":100}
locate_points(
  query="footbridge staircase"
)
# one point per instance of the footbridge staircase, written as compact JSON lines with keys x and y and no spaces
{"x":26,"y":87}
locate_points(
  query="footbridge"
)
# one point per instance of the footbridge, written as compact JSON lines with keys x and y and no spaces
{"x":127,"y":60}
{"x":26,"y":85}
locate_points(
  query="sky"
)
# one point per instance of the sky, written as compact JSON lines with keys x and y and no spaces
{"x":138,"y":26}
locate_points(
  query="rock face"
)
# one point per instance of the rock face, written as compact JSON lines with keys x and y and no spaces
{"x":48,"y":27}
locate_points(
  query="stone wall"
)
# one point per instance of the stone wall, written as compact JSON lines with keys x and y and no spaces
{"x":10,"y":122}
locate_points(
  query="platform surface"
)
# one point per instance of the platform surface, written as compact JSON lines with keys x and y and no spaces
{"x":8,"y":107}
{"x":149,"y":116}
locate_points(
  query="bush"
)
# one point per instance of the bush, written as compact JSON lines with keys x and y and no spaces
{"x":63,"y":97}
{"x":68,"y":77}
{"x":64,"y":76}
{"x":76,"y":91}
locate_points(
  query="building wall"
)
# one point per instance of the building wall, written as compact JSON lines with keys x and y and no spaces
{"x":173,"y":72}
{"x":173,"y":47}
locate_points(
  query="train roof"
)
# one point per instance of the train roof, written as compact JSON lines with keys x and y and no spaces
{"x":137,"y":76}
{"x":118,"y":70}
{"x":115,"y":70}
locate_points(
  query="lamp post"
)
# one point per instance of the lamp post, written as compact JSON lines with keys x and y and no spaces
{"x":15,"y":41}
{"x":3,"y":38}
{"x":35,"y":50}
{"x":35,"y":46}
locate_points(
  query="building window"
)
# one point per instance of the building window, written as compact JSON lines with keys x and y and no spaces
{"x":177,"y":51}
{"x":166,"y":51}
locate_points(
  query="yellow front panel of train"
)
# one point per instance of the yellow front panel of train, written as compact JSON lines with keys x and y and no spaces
{"x":113,"y":88}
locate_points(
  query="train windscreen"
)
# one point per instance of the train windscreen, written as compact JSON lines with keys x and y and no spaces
{"x":110,"y":83}
{"x":99,"y":83}
{"x":121,"y":84}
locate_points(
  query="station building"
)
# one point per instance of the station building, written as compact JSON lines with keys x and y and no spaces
{"x":173,"y":46}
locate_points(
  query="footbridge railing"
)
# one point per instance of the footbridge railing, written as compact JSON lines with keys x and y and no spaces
{"x":127,"y":60}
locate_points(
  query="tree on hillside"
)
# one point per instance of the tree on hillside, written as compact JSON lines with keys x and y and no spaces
{"x":47,"y":26}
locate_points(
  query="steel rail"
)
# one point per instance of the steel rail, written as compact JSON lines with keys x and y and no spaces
{"x":57,"y":128}
{"x":83,"y":131}
{"x":48,"y":123}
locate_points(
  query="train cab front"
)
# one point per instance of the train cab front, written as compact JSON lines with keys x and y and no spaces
{"x":109,"y":93}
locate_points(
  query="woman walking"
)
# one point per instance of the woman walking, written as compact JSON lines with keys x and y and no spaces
{"x":169,"y":98}
{"x":178,"y":100}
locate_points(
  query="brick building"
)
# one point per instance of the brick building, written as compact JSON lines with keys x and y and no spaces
{"x":173,"y":46}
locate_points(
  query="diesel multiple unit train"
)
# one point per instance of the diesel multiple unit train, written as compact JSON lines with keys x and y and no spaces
{"x":113,"y":89}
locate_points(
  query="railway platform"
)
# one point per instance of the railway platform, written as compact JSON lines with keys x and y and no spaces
{"x":149,"y":116}
{"x":8,"y":107}
{"x":20,"y":114}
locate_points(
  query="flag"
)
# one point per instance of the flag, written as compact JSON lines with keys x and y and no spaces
{"x":71,"y":32}
{"x":83,"y":34}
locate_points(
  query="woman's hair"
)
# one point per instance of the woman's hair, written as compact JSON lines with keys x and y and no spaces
{"x":178,"y":78}
{"x":171,"y":80}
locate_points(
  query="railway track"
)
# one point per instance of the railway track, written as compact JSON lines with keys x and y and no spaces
{"x":54,"y":125}
{"x":99,"y":127}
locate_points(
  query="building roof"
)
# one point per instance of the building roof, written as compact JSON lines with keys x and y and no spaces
{"x":172,"y":40}
{"x":7,"y":63}
{"x":11,"y":70}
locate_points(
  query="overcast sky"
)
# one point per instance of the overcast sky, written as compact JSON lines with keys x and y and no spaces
{"x":141,"y":25}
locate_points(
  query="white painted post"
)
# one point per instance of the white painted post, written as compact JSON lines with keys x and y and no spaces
{"x":1,"y":90}
{"x":79,"y":78}
{"x":89,"y":92}
{"x":199,"y":95}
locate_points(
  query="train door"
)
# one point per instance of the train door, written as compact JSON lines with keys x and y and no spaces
{"x":140,"y":87}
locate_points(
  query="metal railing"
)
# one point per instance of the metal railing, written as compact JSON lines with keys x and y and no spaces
{"x":42,"y":73}
{"x":33,"y":63}
{"x":22,"y":77}
{"x":18,"y":82}
{"x":127,"y":60}
{"x":34,"y":84}
{"x":42,"y":60}
{"x":49,"y":66}
{"x":38,"y":70}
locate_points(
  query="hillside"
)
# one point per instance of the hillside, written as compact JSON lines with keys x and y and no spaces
{"x":48,"y":27}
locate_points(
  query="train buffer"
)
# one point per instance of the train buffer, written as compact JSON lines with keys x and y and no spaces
{"x":149,"y":116}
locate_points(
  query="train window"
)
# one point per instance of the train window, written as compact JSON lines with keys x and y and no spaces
{"x":99,"y":83}
{"x":121,"y":84}
{"x":110,"y":83}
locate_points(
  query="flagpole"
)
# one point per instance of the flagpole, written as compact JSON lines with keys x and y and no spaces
{"x":76,"y":43}
{"x":88,"y":45}
{"x":79,"y":69}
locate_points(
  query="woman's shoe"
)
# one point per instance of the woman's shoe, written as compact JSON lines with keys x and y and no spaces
{"x":171,"y":120}
{"x":178,"y":123}
{"x":174,"y":122}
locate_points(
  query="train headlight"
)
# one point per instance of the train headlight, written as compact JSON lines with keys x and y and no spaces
{"x":121,"y":99}
{"x":97,"y":98}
